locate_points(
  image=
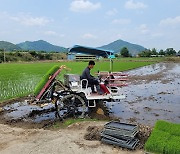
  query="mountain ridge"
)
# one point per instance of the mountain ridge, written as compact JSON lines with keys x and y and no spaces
{"x":117,"y":45}
{"x":8,"y":46}
{"x":41,"y":45}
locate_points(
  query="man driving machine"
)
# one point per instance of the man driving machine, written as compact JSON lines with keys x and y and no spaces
{"x":91,"y":79}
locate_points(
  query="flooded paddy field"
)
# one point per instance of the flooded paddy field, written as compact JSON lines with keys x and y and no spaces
{"x":153,"y":93}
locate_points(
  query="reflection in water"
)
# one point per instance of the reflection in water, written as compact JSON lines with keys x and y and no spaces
{"x":148,"y":101}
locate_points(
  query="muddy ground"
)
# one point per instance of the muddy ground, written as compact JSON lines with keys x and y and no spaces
{"x":153,"y":93}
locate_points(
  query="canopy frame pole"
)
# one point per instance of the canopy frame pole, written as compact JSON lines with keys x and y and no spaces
{"x":111,"y":63}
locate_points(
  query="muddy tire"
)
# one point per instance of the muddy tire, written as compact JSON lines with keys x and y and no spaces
{"x":71,"y":105}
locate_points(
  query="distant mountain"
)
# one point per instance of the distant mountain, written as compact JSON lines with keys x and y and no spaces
{"x":41,"y":46}
{"x":116,"y":46}
{"x":4,"y":45}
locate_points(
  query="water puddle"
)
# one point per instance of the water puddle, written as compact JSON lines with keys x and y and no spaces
{"x":149,"y":70}
{"x":26,"y":112}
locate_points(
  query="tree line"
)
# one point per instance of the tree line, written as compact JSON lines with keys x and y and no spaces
{"x":124,"y":52}
{"x":30,"y":56}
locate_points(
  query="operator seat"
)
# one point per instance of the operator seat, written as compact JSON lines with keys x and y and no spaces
{"x":85,"y":83}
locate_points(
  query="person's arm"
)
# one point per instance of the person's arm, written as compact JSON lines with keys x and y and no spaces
{"x":89,"y":76}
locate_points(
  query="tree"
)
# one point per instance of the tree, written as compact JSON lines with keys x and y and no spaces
{"x":161,"y":52}
{"x":48,"y":56}
{"x":40,"y":56}
{"x":33,"y":53}
{"x":1,"y":57}
{"x":170,"y":52}
{"x":124,"y":52}
{"x":116,"y":55}
{"x":153,"y":51}
{"x":145,"y":53}
{"x":130,"y":55}
{"x":17,"y":53}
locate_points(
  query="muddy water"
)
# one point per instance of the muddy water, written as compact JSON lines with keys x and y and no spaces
{"x":25,"y":112}
{"x":153,"y":93}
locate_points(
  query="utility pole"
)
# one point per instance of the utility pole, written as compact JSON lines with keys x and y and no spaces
{"x":4,"y":56}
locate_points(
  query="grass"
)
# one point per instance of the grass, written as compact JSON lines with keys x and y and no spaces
{"x":20,"y":79}
{"x":69,"y":122}
{"x":165,"y":138}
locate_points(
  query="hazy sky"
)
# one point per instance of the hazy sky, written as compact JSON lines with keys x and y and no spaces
{"x":151,"y":23}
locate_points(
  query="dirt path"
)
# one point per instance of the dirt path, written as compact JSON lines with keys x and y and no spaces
{"x":39,"y":141}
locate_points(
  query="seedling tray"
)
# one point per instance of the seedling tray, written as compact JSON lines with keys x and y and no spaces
{"x":120,"y":133}
{"x":129,"y":145}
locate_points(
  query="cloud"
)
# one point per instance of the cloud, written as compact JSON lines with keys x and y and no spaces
{"x":29,"y":20}
{"x":50,"y":33}
{"x":84,"y":6}
{"x":3,"y":15}
{"x":131,"y":4}
{"x":121,"y":21}
{"x":170,"y":21}
{"x":112,"y":12}
{"x":89,"y":36}
{"x":144,"y":29}
{"x":157,"y":35}
{"x":116,"y":37}
{"x":53,"y":34}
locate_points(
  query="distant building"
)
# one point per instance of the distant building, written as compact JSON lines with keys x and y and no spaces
{"x":79,"y":56}
{"x":157,"y":55}
{"x":88,"y":53}
{"x":71,"y":56}
{"x":154,"y":55}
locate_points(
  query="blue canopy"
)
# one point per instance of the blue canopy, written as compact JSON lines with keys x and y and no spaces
{"x":92,"y":51}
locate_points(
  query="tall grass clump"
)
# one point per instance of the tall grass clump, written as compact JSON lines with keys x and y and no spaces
{"x":164,"y":139}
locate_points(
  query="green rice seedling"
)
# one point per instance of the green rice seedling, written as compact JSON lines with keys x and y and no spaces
{"x":172,"y":145}
{"x":45,"y":78}
{"x":164,"y":139}
{"x":157,"y":141}
{"x":172,"y":128}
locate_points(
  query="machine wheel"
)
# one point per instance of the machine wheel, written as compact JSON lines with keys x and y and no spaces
{"x":71,"y":105}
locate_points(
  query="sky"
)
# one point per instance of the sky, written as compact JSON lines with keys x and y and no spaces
{"x":150,"y":23}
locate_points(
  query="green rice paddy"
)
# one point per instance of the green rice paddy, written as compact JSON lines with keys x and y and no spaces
{"x":20,"y":79}
{"x":165,"y":138}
